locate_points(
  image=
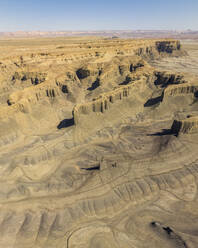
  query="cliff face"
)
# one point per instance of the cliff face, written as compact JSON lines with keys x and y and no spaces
{"x":161,"y":49}
{"x":186,"y":126}
{"x":183,"y":89}
{"x":128,"y":76}
{"x":106,"y":101}
{"x":168,"y":46}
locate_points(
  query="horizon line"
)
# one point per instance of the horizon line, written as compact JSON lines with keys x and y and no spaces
{"x":102,"y":30}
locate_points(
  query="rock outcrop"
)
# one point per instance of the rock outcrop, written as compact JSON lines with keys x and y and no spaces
{"x":186,"y":126}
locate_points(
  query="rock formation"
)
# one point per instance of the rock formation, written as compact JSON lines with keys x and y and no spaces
{"x":98,"y":147}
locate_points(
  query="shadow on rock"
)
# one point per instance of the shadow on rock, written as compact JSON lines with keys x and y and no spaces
{"x":153,"y":101}
{"x":163,"y":133}
{"x":66,"y":123}
{"x":95,"y":85}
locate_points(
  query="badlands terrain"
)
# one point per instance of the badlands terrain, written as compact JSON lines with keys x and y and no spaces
{"x":98,"y":143}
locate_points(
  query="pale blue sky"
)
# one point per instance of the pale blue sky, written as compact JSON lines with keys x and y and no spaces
{"x":98,"y":15}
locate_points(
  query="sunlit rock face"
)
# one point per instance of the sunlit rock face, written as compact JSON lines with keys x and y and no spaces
{"x":98,"y":146}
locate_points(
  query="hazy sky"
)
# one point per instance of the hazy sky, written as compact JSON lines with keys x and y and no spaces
{"x":96,"y":15}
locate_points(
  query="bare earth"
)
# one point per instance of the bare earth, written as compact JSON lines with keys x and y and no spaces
{"x":98,"y":143}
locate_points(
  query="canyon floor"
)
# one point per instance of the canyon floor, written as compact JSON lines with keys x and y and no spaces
{"x":98,"y":143}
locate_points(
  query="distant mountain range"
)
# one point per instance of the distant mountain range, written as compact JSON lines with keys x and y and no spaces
{"x":187,"y":34}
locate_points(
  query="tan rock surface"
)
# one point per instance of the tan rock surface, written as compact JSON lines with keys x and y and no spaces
{"x":90,"y":154}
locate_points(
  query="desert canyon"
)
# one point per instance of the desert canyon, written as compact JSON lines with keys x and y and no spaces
{"x":98,"y":143}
